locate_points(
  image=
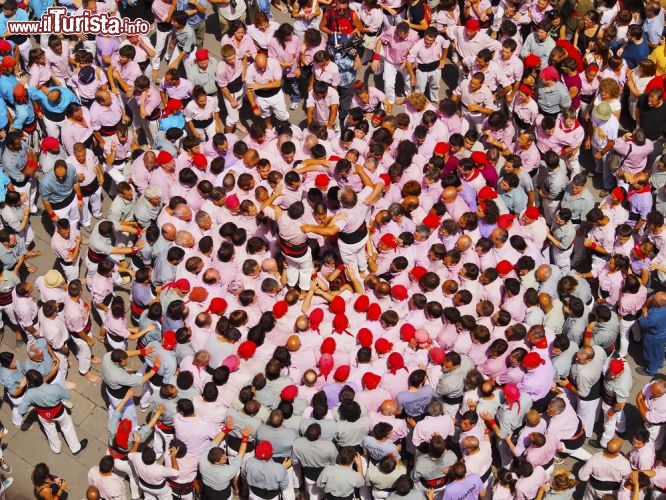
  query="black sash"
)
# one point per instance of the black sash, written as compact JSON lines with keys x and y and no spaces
{"x":5,"y":298}
{"x":109,"y":130}
{"x":90,"y":189}
{"x":53,"y":116}
{"x":202,"y":123}
{"x":452,"y":400}
{"x":234,"y":443}
{"x":235,"y":85}
{"x":118,"y":393}
{"x":264,"y":493}
{"x":152,"y":486}
{"x":292,"y":250}
{"x":265,"y":93}
{"x":354,"y":237}
{"x":312,"y":473}
{"x":211,"y":494}
{"x":64,"y":203}
{"x":595,"y":392}
{"x":164,"y":27}
{"x":598,"y":484}
{"x":428,"y":67}
{"x":95,"y":257}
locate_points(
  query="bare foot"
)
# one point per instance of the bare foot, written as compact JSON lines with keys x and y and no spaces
{"x":92,"y":377}
{"x":70,"y":385}
{"x":95,"y":360}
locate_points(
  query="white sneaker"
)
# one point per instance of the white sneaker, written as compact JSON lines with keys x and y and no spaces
{"x":68,"y":404}
{"x":294,"y":106}
{"x":7,"y":482}
{"x":126,"y":280}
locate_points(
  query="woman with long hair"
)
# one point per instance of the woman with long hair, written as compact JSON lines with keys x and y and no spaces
{"x":48,"y":486}
{"x":285,"y":48}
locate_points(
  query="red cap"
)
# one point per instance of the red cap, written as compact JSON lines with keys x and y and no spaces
{"x":511,"y":393}
{"x":337,"y":305}
{"x":334,"y":158}
{"x":20,"y":92}
{"x":383,"y":346}
{"x":615,"y":367}
{"x":8,"y":62}
{"x":201,"y":55}
{"x":532,"y":61}
{"x":441,"y":148}
{"x":123,"y":431}
{"x":316,"y":317}
{"x":532,"y":213}
{"x":386,"y":179}
{"x":407,"y":332}
{"x":504,"y":267}
{"x":342,"y":373}
{"x":247,"y":349}
{"x":321,"y":181}
{"x":504,"y":221}
{"x":361,"y":304}
{"x":487,"y":193}
{"x":5,"y":46}
{"x":49,"y":144}
{"x":232,"y":202}
{"x":526,"y":90}
{"x":198,"y":294}
{"x":396,"y":362}
{"x":436,"y":355}
{"x":473,"y":25}
{"x":280,"y":308}
{"x":532,"y":360}
{"x":169,"y":340}
{"x":340,"y":323}
{"x":364,"y":337}
{"x":217,"y":306}
{"x":399,"y":292}
{"x":418,"y":272}
{"x":264,"y":450}
{"x":618,"y":193}
{"x":549,"y":74}
{"x":374,"y":312}
{"x":389,"y":240}
{"x":432,"y":221}
{"x":289,"y":393}
{"x":479,"y":157}
{"x":163,"y":158}
{"x":370,"y":380}
{"x":328,"y":346}
{"x":200,"y":161}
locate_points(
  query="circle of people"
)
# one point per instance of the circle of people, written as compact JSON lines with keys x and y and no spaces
{"x":411,"y":294}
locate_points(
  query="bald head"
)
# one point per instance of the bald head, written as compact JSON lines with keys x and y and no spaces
{"x":470,"y":443}
{"x":310,"y":377}
{"x":614,"y":446}
{"x":92,"y":493}
{"x":543,"y":272}
{"x":389,"y":408}
{"x":261,"y":61}
{"x":302,"y":323}
{"x":169,"y":232}
{"x":658,"y":388}
{"x":293,"y":343}
{"x":184,"y":239}
{"x":183,"y":212}
{"x":545,"y":301}
{"x":449,"y":194}
{"x":463,"y":243}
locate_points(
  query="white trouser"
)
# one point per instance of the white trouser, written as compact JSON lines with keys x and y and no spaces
{"x":451,"y":410}
{"x":206,"y":134}
{"x":587,"y":411}
{"x":314,"y":491}
{"x":128,"y":411}
{"x":150,"y":127}
{"x":299,"y":270}
{"x":275,"y":105}
{"x":379,"y":494}
{"x":91,"y":271}
{"x":61,"y":375}
{"x":439,"y":492}
{"x":24,"y":49}
{"x":506,"y":455}
{"x":53,"y":128}
{"x":595,"y":494}
{"x":123,"y":469}
{"x":71,"y":212}
{"x":72,"y":271}
{"x":92,"y":207}
{"x":562,"y":258}
{"x":44,"y":41}
{"x":83,"y":355}
{"x":625,"y":327}
{"x":252,"y":496}
{"x":579,"y":453}
{"x":610,"y":424}
{"x":161,"y":38}
{"x":656,"y":434}
{"x":117,"y":173}
{"x":288,"y":494}
{"x":354,"y":254}
{"x":148,"y":390}
{"x":429,"y":78}
{"x":549,"y":209}
{"x":474,"y":119}
{"x":9,"y":311}
{"x":163,"y":493}
{"x":30,"y":190}
{"x":116,"y":345}
{"x":17,"y":419}
{"x":394,"y":20}
{"x":573,"y":164}
{"x":67,"y":429}
{"x":390,"y":74}
{"x":233,"y":113}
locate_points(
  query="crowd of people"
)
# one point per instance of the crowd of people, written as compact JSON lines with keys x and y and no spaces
{"x":414,"y":292}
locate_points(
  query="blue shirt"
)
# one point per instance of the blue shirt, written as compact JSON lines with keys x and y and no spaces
{"x":7,"y":84}
{"x":20,"y":15}
{"x":655,"y":321}
{"x":4,"y":119}
{"x":39,"y":7}
{"x":634,"y":53}
{"x":67,"y":97}
{"x":45,"y":396}
{"x":54,"y":191}
{"x":25,"y":113}
{"x":176,"y":121}
{"x":4,"y":182}
{"x":654,"y":28}
{"x":194,"y":19}
{"x":11,"y":379}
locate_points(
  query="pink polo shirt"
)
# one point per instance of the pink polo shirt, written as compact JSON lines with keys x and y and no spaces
{"x":395,"y":49}
{"x":106,"y":116}
{"x":271,"y":73}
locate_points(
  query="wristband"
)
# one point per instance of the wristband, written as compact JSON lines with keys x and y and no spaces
{"x":492,"y":422}
{"x":341,"y":267}
{"x":245,"y":439}
{"x":588,"y":334}
{"x":135,"y":249}
{"x":142,"y":351}
{"x":569,"y":386}
{"x":155,"y":368}
{"x":52,"y":214}
{"x":227,"y":429}
{"x":255,"y":107}
{"x":376,"y":57}
{"x":593,"y":246}
{"x":79,"y":197}
{"x":139,"y":232}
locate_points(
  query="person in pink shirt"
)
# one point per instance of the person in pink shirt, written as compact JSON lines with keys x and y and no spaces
{"x":396,"y":43}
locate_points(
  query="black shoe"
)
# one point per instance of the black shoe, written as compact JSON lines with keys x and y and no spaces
{"x":84,"y":443}
{"x":594,"y":443}
{"x":26,"y":425}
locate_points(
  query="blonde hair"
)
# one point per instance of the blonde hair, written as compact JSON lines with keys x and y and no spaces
{"x":610,"y":86}
{"x":418,"y":100}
